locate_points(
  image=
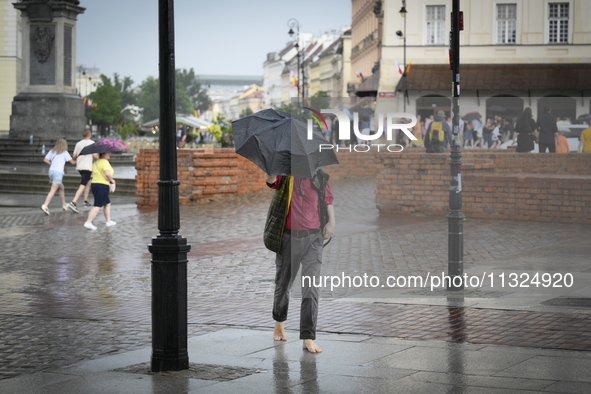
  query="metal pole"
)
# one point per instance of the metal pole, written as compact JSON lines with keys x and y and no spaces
{"x":404,"y":71}
{"x":455,"y":218}
{"x":169,"y":249}
{"x":293,"y":22}
{"x":300,"y":105}
{"x":303,"y":73}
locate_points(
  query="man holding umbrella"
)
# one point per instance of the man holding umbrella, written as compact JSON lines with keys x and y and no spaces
{"x":294,"y":224}
{"x":301,"y":214}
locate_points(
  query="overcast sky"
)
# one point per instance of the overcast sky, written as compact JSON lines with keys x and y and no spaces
{"x":230,"y":37}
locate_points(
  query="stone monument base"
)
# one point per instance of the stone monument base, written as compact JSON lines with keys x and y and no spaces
{"x":47,"y":116}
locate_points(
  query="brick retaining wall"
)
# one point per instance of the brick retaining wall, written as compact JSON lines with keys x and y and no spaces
{"x":536,"y":187}
{"x":213,"y":174}
{"x":496,"y":184}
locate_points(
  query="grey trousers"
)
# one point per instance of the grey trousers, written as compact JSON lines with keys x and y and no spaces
{"x":296,"y":251}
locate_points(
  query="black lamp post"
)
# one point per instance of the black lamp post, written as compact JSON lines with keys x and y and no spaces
{"x":399,"y":33}
{"x":455,"y":218}
{"x":169,"y":249}
{"x":301,"y":82}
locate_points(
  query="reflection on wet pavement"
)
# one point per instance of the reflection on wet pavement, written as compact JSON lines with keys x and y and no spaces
{"x":68,"y":294}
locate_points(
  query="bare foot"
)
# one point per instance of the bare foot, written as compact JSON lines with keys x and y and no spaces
{"x":279,"y":333}
{"x":310,"y":346}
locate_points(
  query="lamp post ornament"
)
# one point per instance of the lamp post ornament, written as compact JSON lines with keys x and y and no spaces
{"x":300,"y":81}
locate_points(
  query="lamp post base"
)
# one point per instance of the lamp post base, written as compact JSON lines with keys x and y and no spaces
{"x":169,"y":304}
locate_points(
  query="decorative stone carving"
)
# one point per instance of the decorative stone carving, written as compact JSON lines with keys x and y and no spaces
{"x":42,"y":42}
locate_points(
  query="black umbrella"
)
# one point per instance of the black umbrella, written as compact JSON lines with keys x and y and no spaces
{"x":497,"y":108}
{"x":103,"y":146}
{"x":277,"y":143}
{"x":471,"y":116}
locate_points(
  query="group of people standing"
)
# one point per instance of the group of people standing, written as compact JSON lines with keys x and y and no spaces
{"x":544,"y":132}
{"x":96,"y":175}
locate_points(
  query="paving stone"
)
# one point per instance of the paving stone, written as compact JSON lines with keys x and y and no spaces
{"x":68,"y":294}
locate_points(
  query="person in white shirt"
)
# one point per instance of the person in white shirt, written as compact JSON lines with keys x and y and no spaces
{"x":57,"y":158}
{"x":84,"y":167}
{"x":496,"y":141}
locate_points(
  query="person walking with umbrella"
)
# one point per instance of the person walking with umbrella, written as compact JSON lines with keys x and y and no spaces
{"x":301,"y":215}
{"x":102,"y":179}
{"x":294,"y":224}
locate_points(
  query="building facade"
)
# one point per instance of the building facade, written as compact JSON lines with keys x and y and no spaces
{"x":366,"y":43}
{"x":88,"y":79}
{"x":10,"y":60}
{"x":514,"y":54}
{"x":272,"y":71}
{"x":231,"y":106}
{"x":280,"y":87}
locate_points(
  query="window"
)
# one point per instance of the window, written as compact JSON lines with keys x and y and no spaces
{"x":506,"y":23}
{"x":558,"y":22}
{"x":435,"y":24}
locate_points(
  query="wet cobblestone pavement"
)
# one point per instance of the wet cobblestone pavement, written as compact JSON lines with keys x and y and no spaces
{"x":69,"y":294}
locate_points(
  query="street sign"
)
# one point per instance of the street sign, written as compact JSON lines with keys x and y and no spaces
{"x":387,"y":94}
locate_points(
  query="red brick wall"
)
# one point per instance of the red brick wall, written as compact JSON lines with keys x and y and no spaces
{"x":537,"y":187}
{"x":501,"y":185}
{"x":212,"y":174}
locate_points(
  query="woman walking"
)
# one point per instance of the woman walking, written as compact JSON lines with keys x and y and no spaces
{"x":527,"y":128}
{"x":102,"y":184}
{"x":57,"y":158}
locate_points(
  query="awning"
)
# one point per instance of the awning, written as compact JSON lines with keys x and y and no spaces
{"x":369,"y":87}
{"x":501,"y":77}
{"x":189,"y":120}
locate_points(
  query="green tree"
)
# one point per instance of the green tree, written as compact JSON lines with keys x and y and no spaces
{"x":285,"y":107}
{"x":108,"y":104}
{"x":245,"y":112}
{"x":195,"y":91}
{"x":320,"y":100}
{"x":148,"y":98}
{"x":128,"y":96}
{"x":184,"y":105}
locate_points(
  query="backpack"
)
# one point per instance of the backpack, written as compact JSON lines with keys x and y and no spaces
{"x":436,"y":133}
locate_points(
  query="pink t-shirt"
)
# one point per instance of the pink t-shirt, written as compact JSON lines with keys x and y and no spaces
{"x":305,"y":208}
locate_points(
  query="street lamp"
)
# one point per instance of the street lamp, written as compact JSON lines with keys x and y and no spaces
{"x":169,"y":249}
{"x":301,"y":82}
{"x":400,"y":34}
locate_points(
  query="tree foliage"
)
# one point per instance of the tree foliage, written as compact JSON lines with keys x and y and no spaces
{"x":148,"y":98}
{"x":184,"y":105}
{"x":128,"y":96}
{"x":108,"y":104}
{"x":245,"y":112}
{"x":285,"y":107}
{"x":195,"y":91}
{"x":320,"y":100}
{"x":222,"y":130}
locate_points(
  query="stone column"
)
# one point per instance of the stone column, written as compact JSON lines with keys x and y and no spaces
{"x":47,"y":106}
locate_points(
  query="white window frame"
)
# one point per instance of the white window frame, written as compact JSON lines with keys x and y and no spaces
{"x":496,"y":22}
{"x":446,"y":22}
{"x":547,"y":18}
